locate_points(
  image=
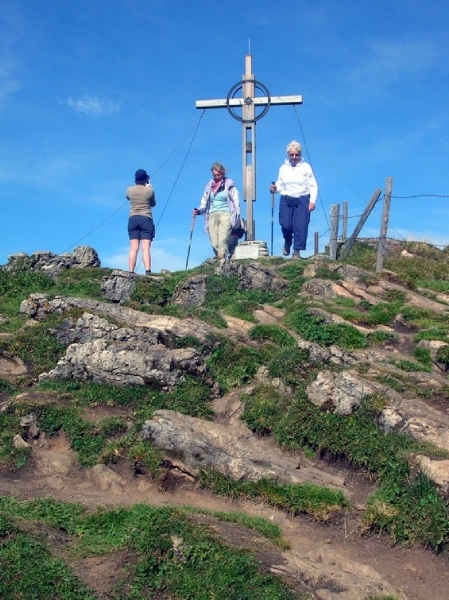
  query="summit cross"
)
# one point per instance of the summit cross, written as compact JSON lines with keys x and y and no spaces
{"x":248,"y":118}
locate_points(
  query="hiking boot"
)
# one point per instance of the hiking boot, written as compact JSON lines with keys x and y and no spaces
{"x":148,"y":272}
{"x":295,"y":254}
{"x":286,"y":250}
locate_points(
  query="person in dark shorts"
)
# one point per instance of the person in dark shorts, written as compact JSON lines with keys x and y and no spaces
{"x":141,"y":228}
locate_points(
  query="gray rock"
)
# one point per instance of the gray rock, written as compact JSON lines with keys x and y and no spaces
{"x":121,"y":363}
{"x":237,"y":454}
{"x":191,"y":293}
{"x":54,"y":264}
{"x":119,"y":286}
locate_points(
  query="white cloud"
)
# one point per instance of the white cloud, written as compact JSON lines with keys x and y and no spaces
{"x":91,"y":105}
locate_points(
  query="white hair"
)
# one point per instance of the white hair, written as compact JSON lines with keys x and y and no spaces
{"x":294,"y":145}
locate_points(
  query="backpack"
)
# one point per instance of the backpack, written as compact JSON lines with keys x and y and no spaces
{"x":240,"y":228}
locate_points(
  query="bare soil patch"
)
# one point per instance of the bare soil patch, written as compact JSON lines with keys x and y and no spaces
{"x":416,"y":572}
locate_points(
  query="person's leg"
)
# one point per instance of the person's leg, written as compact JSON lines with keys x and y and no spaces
{"x":301,"y":224}
{"x":146,"y":255}
{"x":133,"y":250}
{"x":224,"y":228}
{"x":134,"y":239}
{"x":147,"y":236}
{"x":219,"y":230}
{"x":286,"y":212}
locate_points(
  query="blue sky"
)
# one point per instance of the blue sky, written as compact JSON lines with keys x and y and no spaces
{"x":92,"y":90}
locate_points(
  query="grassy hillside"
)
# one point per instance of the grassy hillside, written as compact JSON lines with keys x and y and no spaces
{"x":406,"y":504}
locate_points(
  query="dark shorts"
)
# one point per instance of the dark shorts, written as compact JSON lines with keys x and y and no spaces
{"x":141,"y":228}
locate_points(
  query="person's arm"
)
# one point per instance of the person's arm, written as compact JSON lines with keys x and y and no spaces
{"x":234,"y":195}
{"x":276,"y":186}
{"x":153,"y":197}
{"x":313,"y":189}
{"x":203,"y":203}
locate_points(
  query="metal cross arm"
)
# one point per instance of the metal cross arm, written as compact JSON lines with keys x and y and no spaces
{"x":259,"y":101}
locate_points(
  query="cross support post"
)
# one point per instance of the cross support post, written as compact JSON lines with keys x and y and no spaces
{"x":248,"y":104}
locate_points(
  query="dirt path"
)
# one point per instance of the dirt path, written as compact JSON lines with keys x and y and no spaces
{"x":415,"y":573}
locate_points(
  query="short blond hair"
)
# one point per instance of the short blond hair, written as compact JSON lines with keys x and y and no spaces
{"x":294,"y":145}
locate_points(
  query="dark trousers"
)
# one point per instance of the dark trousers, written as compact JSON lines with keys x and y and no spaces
{"x":294,"y":217}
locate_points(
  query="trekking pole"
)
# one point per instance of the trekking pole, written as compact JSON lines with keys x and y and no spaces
{"x":190,"y":242}
{"x":272,"y":216}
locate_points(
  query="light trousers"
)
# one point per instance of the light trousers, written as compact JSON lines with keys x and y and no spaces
{"x":219,"y":231}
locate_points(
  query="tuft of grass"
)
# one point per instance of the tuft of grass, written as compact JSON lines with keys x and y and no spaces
{"x":274,"y":333}
{"x":84,"y":282}
{"x":423,"y":356}
{"x":11,"y":458}
{"x":319,"y":502}
{"x":383,"y":313}
{"x":292,"y":366}
{"x":296,"y":423}
{"x":263,"y":526}
{"x":324,"y":271}
{"x":414,"y":513}
{"x":313,"y":328}
{"x":381,"y":597}
{"x":155,"y":295}
{"x":234,"y":365}
{"x":362,"y":255}
{"x":379,"y":338}
{"x":6,"y":387}
{"x":190,"y":396}
{"x":443,"y":355}
{"x":18,"y":284}
{"x":26,"y":566}
{"x":37,"y":346}
{"x":410,"y":366}
{"x":169,"y":554}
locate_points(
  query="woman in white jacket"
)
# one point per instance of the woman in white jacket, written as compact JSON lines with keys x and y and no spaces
{"x":299,"y":190}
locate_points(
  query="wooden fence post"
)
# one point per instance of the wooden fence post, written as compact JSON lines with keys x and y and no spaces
{"x":382,"y":247}
{"x":366,"y":213}
{"x":335,"y":216}
{"x":344,"y":223}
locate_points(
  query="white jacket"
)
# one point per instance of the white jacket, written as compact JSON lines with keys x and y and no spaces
{"x":297,"y":181}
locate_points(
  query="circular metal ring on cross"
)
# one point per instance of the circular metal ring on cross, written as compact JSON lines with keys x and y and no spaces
{"x":239,"y":85}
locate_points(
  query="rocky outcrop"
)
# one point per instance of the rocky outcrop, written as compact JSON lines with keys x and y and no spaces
{"x":117,"y":345}
{"x":119,"y":286}
{"x":54,"y":264}
{"x":101,"y":351}
{"x":40,"y":306}
{"x":239,"y":455}
{"x":191,"y":292}
{"x":343,"y":392}
{"x":251,"y":276}
{"x":119,"y":363}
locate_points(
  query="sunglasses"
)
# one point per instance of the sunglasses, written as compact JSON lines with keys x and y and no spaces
{"x":293,"y":154}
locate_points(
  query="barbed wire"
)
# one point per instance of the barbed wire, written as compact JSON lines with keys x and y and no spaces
{"x":421,"y":196}
{"x":400,"y":237}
